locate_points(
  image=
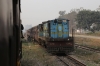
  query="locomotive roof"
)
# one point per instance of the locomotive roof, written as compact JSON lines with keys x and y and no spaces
{"x":54,"y":19}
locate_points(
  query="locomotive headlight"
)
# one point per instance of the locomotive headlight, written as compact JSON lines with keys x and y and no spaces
{"x":69,"y":39}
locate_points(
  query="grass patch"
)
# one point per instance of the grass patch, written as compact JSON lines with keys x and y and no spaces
{"x":97,"y":33}
{"x":29,"y":55}
{"x":93,"y":34}
{"x":88,"y":57}
{"x":90,"y":42}
{"x":82,"y":52}
{"x":35,"y":55}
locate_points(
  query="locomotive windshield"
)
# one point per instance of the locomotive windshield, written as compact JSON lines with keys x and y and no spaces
{"x":64,"y":20}
{"x":61,"y":21}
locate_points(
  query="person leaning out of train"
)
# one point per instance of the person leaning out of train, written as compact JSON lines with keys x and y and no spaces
{"x":22,"y":28}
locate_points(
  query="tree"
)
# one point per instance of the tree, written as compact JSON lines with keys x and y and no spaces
{"x":86,"y":18}
{"x":70,"y":16}
{"x":62,"y":13}
{"x":98,"y":9}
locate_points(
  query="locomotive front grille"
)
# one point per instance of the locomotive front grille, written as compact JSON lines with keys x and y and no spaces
{"x":59,"y":49}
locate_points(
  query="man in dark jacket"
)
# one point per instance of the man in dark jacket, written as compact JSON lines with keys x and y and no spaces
{"x":22,"y":28}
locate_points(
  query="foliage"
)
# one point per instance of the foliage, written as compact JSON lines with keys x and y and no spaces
{"x":82,"y":18}
{"x":98,"y":9}
{"x":89,"y":42}
{"x":62,"y":13}
{"x":86,"y":18}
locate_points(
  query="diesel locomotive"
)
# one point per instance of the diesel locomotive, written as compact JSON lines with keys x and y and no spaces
{"x":54,"y":35}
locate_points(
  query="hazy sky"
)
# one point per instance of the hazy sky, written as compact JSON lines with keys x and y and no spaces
{"x":36,"y":11}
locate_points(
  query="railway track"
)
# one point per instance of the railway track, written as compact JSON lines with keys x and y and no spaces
{"x":70,"y":61}
{"x":62,"y":60}
{"x":76,"y":62}
{"x":87,"y":48}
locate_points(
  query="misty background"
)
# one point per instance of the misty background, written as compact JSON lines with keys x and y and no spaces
{"x":35,"y":12}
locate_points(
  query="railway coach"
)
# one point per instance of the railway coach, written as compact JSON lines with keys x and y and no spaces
{"x":10,"y":33}
{"x":54,"y":35}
